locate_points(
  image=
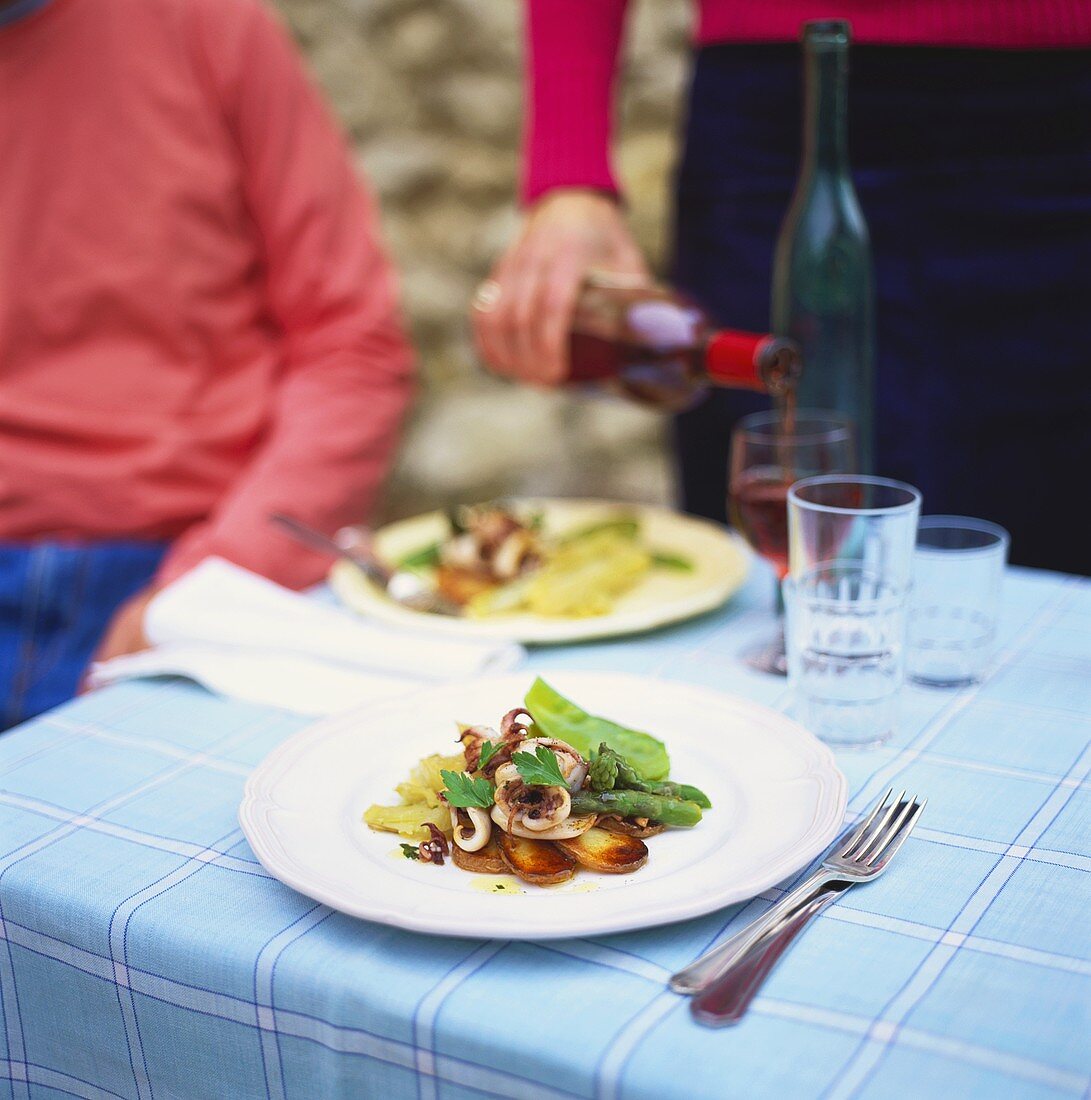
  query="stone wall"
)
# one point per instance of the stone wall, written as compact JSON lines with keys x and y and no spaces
{"x":431,"y":93}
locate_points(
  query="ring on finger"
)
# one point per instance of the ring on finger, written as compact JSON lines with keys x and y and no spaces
{"x":487,"y":296}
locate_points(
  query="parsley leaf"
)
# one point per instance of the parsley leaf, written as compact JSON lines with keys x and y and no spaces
{"x":410,"y":851}
{"x":488,"y":751}
{"x":539,"y":770}
{"x":465,"y":791}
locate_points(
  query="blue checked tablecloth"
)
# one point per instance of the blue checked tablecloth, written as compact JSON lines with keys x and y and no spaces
{"x":146,"y":954}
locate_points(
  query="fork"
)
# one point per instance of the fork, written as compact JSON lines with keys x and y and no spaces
{"x":725,"y":1001}
{"x":354,"y":545}
{"x":861,"y":853}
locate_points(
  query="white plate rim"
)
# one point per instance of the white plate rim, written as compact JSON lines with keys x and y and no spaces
{"x":539,"y":630}
{"x":258,"y":801}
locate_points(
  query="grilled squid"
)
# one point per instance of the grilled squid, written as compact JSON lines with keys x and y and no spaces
{"x":573,"y":766}
{"x":542,"y":813}
{"x":570,"y":827}
{"x":494,"y":542}
{"x":511,"y":729}
{"x":537,"y":809}
{"x":518,"y":550}
{"x":462,"y":552}
{"x":472,"y":738}
{"x":474,"y":837}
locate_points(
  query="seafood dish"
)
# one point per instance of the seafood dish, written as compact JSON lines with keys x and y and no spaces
{"x":497,"y":560}
{"x":553,"y":789}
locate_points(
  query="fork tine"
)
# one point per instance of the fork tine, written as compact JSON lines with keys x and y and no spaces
{"x":876,"y":834}
{"x":861,"y":829}
{"x":858,"y":833}
{"x":902,"y":828}
{"x":883,"y":836}
{"x":874,"y":824}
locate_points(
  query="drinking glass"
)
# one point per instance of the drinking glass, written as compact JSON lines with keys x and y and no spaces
{"x":846,"y":652}
{"x":957,"y":570}
{"x":870,"y":522}
{"x":767,"y":456}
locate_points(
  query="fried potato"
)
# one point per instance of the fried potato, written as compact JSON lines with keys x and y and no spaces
{"x":610,"y":853}
{"x":540,"y":862}
{"x":461,"y":585}
{"x":486,"y":861}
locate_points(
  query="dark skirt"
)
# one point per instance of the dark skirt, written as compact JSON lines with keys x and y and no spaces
{"x":973,"y":169}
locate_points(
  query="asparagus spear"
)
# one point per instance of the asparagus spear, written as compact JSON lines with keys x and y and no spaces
{"x":611,"y":771}
{"x":670,"y":811}
{"x":602,"y":773}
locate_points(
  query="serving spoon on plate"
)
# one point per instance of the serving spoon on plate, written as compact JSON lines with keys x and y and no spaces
{"x":354,"y":544}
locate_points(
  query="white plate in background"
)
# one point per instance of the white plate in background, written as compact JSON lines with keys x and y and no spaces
{"x":720,"y":561}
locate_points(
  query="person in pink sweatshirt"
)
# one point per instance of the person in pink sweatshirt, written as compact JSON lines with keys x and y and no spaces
{"x":970,"y":138}
{"x":198,"y":324}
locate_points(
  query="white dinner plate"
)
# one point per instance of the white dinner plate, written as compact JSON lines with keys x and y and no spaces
{"x":720,"y":561}
{"x":778,"y":800}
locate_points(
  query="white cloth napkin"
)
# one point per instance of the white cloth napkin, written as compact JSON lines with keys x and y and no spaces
{"x":241,"y":635}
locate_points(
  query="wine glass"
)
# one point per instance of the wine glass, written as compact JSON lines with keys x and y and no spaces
{"x":768,"y":454}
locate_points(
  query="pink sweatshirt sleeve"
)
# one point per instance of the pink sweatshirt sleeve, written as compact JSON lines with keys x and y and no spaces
{"x":572,"y":52}
{"x":348,"y":372}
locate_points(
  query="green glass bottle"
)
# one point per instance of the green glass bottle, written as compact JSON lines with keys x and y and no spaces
{"x":822,"y":278}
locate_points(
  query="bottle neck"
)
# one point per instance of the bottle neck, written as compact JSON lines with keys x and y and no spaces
{"x":825,"y":109}
{"x":751,"y":361}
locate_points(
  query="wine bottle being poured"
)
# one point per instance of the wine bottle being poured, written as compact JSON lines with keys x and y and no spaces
{"x":653,"y":345}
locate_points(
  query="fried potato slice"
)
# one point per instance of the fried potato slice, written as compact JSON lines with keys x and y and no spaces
{"x":610,"y":853}
{"x":461,"y":585}
{"x":540,"y":862}
{"x":486,"y":861}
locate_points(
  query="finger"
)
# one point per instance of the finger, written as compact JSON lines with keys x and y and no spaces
{"x":85,"y":684}
{"x":516,"y":322}
{"x":494,"y":346}
{"x":489,"y":323}
{"x":553,"y":319}
{"x":124,"y":633}
{"x":629,"y":260}
{"x":522,"y":317}
{"x":485,"y":332}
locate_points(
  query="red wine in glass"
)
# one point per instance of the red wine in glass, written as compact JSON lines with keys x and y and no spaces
{"x":759,"y":509}
{"x":769,"y":453}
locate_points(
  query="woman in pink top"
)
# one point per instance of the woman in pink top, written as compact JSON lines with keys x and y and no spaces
{"x":198,"y":325}
{"x":970,"y":140}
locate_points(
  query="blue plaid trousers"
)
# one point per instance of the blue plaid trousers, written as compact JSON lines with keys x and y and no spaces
{"x":55,"y":601}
